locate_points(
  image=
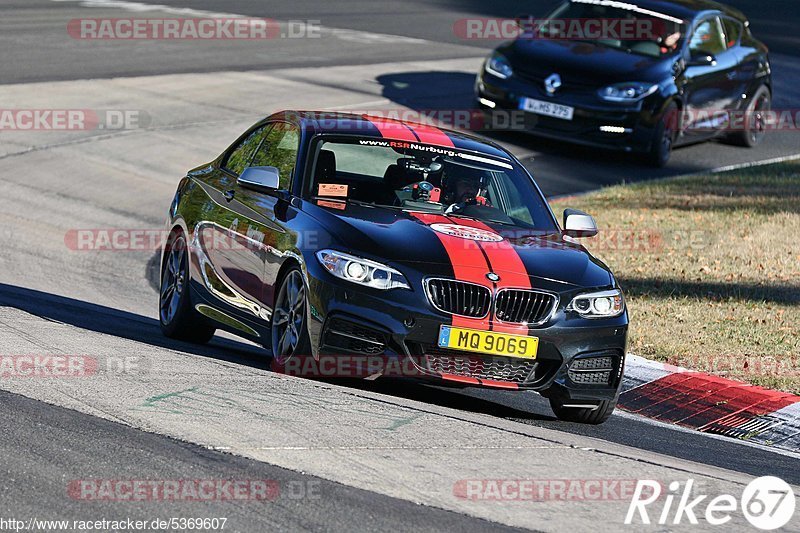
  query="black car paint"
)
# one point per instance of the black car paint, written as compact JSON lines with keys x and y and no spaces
{"x":586,"y":67}
{"x":289,"y":229}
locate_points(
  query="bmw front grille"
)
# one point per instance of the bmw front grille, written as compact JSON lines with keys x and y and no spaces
{"x":516,"y":306}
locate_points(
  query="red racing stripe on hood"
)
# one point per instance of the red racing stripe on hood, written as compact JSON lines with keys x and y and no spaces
{"x":506,"y":263}
{"x":392,"y":129}
{"x":431,"y":135}
{"x":468,"y":263}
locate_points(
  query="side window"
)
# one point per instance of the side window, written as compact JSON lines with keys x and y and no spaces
{"x":733,"y":30}
{"x":708,"y":38}
{"x":279,"y":150}
{"x":516,"y":206}
{"x":239,"y":158}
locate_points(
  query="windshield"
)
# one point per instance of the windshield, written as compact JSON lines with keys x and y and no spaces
{"x":411,"y":176}
{"x":616,"y":25}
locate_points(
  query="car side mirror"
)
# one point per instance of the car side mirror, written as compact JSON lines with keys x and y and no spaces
{"x":579,"y":224}
{"x":261,"y":179}
{"x":702,"y":60}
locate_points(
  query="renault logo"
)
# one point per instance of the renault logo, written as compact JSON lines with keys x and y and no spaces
{"x":552,"y":83}
{"x":491,"y":276}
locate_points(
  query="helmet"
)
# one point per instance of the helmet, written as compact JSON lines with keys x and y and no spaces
{"x":462,"y":184}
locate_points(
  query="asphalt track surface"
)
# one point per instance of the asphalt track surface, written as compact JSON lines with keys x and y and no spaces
{"x":301,"y":503}
{"x":360,"y":32}
{"x":71,"y":445}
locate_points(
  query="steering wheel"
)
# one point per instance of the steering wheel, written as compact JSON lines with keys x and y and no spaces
{"x":459,"y":206}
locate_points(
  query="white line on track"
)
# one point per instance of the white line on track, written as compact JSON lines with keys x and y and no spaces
{"x":752,"y":164}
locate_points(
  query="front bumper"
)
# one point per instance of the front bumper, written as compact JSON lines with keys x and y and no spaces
{"x":401,"y":329}
{"x":625,"y":127}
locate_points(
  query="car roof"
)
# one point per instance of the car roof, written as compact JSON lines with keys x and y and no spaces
{"x":686,"y":9}
{"x":373,"y":126}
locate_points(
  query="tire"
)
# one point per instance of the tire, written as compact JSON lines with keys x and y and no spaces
{"x":177,"y":317}
{"x":664,"y":138}
{"x":755,"y":120}
{"x":289,"y":323}
{"x":584,"y":415}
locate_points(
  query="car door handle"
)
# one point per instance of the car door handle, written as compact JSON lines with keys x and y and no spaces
{"x":229,"y":195}
{"x":730,"y":75}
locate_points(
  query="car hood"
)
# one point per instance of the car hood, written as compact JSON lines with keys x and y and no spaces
{"x":582,"y":63}
{"x":403,"y":239}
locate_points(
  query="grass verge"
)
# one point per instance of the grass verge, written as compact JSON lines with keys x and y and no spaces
{"x":710,"y":266}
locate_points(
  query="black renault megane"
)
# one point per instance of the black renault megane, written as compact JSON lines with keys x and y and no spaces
{"x":327,"y":237}
{"x":640,"y":76}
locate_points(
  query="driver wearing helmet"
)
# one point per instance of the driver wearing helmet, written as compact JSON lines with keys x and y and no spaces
{"x":465,"y":188}
{"x":462,"y":189}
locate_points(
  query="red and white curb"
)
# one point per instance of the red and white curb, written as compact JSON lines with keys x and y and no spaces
{"x":711,"y":404}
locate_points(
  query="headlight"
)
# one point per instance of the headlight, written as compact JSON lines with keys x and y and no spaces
{"x":627,"y":92}
{"x":498,"y":65}
{"x":605,"y":304}
{"x":361,"y":271}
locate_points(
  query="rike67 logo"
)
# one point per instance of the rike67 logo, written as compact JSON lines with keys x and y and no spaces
{"x":767,"y":503}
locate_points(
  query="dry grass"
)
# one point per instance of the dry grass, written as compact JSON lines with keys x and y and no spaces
{"x":711,"y":269}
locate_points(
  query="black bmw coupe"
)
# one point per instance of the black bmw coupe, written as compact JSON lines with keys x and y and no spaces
{"x":639,"y":76}
{"x":328,"y":237}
